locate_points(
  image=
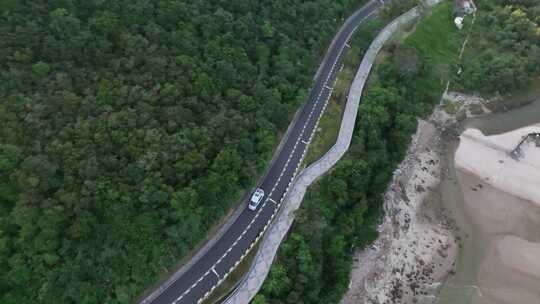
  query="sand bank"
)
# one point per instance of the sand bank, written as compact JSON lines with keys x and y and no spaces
{"x":510,"y":272}
{"x":494,"y":198}
{"x":502,"y":198}
{"x":488,"y":157}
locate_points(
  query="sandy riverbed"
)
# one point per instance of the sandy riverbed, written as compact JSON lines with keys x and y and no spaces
{"x":502,"y":198}
{"x":419,"y":229}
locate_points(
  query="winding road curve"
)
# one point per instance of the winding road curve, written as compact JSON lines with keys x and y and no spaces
{"x":209,"y":271}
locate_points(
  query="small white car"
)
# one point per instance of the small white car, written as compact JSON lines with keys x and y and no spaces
{"x":256,"y":199}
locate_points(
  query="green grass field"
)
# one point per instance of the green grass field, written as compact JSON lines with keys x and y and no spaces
{"x":437,"y":40}
{"x":436,"y":37}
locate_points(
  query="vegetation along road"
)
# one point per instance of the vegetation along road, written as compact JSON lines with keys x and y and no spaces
{"x":195,"y":283}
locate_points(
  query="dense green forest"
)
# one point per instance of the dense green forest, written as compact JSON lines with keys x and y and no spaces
{"x":341,"y":211}
{"x":129,"y":128}
{"x":503,"y":54}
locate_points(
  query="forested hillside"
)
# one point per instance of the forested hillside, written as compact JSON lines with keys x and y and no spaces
{"x":341,"y":211}
{"x":129,"y":128}
{"x":503,"y":54}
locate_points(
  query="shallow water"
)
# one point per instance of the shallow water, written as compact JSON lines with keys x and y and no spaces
{"x":507,"y":121}
{"x":460,"y":288}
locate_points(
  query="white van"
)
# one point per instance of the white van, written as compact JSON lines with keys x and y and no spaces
{"x":256,"y":199}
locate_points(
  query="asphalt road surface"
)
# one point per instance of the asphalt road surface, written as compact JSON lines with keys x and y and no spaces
{"x":199,"y":279}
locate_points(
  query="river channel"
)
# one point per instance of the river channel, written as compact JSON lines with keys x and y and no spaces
{"x":460,"y":287}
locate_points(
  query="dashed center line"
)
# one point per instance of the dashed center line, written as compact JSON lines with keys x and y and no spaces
{"x":325,"y":83}
{"x":215,"y":272}
{"x":277,"y":182}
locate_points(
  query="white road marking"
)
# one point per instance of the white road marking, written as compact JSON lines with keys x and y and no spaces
{"x":290,"y":156}
{"x":215,"y":272}
{"x":273,"y":201}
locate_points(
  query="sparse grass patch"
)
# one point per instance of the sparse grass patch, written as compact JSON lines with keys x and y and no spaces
{"x":461,"y":115}
{"x":476,"y":109}
{"x":331,"y":119}
{"x":341,"y":88}
{"x":223,"y":290}
{"x":450,"y":107}
{"x":327,"y":136}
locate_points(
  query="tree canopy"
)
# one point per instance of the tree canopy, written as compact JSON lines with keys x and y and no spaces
{"x":504,"y":49}
{"x":342,"y":210}
{"x":129,"y":128}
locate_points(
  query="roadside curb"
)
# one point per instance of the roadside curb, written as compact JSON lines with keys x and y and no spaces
{"x":151,"y":296}
{"x":260,"y":268}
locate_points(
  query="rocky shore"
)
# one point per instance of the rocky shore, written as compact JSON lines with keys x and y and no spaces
{"x":416,"y":253}
{"x":416,"y":249}
{"x":418,"y":243}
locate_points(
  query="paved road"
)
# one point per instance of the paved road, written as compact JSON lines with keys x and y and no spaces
{"x":220,"y":259}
